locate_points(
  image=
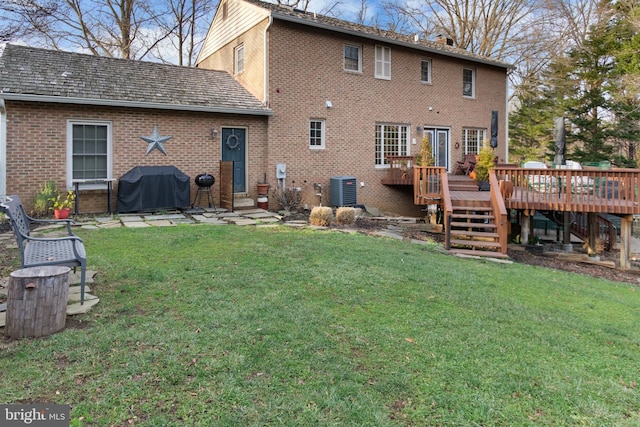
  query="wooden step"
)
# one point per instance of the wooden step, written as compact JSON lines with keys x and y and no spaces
{"x":476,"y":243}
{"x":487,"y":234}
{"x":472,"y":225}
{"x":471,"y":252}
{"x":472,"y":208}
{"x":471,"y":216}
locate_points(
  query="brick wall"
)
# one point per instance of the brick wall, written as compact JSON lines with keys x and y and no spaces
{"x":37,"y":143}
{"x":306,"y":70}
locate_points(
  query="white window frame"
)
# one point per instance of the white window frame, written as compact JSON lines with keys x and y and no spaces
{"x":344,"y":58}
{"x":473,"y":140}
{"x":383,"y":62}
{"x":429,"y":62}
{"x":238,"y":59}
{"x":472,"y":93}
{"x":402,"y":141}
{"x":313,"y":139}
{"x":70,"y":125}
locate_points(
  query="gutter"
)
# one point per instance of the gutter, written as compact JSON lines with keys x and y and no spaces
{"x":130,"y":104}
{"x":386,"y":40}
{"x":3,"y":149}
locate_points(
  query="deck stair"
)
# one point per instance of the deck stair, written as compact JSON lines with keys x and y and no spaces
{"x":472,"y":227}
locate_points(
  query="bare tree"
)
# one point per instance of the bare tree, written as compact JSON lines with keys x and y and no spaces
{"x":181,"y":28}
{"x":102,"y":27}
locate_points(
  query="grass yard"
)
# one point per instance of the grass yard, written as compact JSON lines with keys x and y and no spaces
{"x":226,"y":326}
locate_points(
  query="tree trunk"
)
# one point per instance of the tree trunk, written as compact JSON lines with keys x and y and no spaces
{"x":37,"y":301}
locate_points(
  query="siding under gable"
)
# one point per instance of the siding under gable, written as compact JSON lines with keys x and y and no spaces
{"x":241,"y":17}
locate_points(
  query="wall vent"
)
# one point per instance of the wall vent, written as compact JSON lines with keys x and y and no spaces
{"x":343,"y":191}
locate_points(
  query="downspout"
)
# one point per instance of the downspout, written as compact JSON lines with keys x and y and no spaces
{"x":506,"y":116}
{"x":3,"y":149}
{"x":265,"y":98}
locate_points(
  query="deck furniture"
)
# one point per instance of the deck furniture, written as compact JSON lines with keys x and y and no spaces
{"x":36,"y":251}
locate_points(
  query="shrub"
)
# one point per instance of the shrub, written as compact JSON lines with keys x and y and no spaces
{"x":485,"y":163}
{"x":288,"y":199}
{"x":321,"y":216}
{"x":43,"y":199}
{"x":345,"y":215}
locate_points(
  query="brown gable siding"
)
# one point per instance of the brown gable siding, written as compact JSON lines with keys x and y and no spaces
{"x":37,"y":141}
{"x":306,"y":70}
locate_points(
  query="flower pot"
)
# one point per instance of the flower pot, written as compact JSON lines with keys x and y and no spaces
{"x":61,"y":213}
{"x":263,"y":189}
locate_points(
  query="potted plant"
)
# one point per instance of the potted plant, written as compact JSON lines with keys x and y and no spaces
{"x":484,"y":164}
{"x":61,"y":205}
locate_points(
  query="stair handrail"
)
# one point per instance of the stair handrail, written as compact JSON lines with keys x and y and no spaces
{"x":447,"y":208}
{"x":499,"y":211}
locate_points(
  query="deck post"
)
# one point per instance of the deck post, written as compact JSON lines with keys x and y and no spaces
{"x":566,"y":230}
{"x":593,"y":232}
{"x":526,"y":220}
{"x":625,"y":240}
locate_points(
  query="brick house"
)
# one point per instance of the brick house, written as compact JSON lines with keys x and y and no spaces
{"x":67,"y":116}
{"x":345,"y":95}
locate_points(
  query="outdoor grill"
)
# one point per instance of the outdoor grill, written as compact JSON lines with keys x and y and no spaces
{"x":204,"y":181}
{"x":153,"y":188}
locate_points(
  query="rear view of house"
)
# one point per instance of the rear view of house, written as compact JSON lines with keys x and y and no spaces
{"x":347,"y":96}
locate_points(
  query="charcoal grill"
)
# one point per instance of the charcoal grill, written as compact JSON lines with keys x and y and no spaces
{"x":204,"y":181}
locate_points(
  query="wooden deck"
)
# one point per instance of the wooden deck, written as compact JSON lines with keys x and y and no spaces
{"x":588,"y":191}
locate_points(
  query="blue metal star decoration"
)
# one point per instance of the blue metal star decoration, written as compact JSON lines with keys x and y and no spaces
{"x":155,"y":141}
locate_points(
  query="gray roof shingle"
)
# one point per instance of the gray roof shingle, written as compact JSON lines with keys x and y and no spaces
{"x":56,"y":76}
{"x":333,"y":24}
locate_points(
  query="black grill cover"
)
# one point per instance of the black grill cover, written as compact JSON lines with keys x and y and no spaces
{"x":147,"y":188}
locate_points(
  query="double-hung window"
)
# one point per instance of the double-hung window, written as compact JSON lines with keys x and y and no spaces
{"x":238,"y":59}
{"x":468,"y":83}
{"x":472,"y":140}
{"x":383,"y":62}
{"x":425,"y":71}
{"x":88,"y":151}
{"x":316,"y":134}
{"x":391,"y":140}
{"x":352,"y":58}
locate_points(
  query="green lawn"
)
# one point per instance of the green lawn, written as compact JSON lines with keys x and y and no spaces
{"x":205,"y":325}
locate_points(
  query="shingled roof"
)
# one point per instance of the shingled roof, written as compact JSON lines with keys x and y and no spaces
{"x":32,"y":74}
{"x":288,"y":13}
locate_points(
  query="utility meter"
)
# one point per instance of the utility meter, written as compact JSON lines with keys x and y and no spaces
{"x":281,"y":171}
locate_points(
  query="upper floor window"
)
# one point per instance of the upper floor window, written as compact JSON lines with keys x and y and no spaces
{"x":391,"y":140}
{"x":468,"y":82}
{"x":352,"y":58}
{"x":472,"y":140}
{"x":383,"y":62}
{"x":425,"y":71}
{"x":238,"y":59}
{"x":316,"y":134}
{"x":88,"y":150}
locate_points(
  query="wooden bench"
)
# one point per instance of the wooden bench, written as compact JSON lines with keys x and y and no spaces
{"x":34,"y":251}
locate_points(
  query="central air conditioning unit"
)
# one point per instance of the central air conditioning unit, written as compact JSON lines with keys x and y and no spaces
{"x":343,"y":191}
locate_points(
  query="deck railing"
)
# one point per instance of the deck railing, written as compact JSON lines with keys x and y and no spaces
{"x":427,"y":184}
{"x":399,"y":170}
{"x":499,"y":211}
{"x":586,"y":190}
